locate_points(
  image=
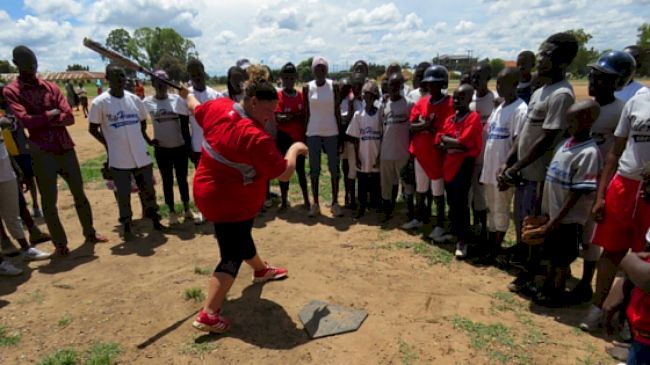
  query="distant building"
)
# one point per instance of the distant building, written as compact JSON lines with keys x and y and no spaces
{"x":460,"y":63}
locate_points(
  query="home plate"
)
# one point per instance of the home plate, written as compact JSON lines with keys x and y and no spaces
{"x":322,"y":319}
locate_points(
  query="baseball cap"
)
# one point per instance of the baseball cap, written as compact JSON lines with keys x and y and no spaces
{"x":161,"y":74}
{"x":288,"y":68}
{"x":320,"y":60}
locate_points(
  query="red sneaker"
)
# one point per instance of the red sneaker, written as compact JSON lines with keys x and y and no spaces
{"x":270,"y":273}
{"x":214,"y":323}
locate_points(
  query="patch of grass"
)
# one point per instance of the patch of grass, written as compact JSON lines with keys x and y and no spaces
{"x":91,"y":169}
{"x":198,"y":349}
{"x":195,"y":294}
{"x":35,"y":297}
{"x":202,"y":270}
{"x":178,"y":207}
{"x":103,"y":353}
{"x":61,"y":357}
{"x":485,"y":335}
{"x":407,"y":353}
{"x":505,"y":301}
{"x":434,"y":254}
{"x":6,"y":339}
{"x":65,"y":320}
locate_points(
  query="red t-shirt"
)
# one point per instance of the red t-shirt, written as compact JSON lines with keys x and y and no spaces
{"x":638,"y":313}
{"x":423,"y":143}
{"x":219,"y":190}
{"x":469,"y":132}
{"x":295,"y":128}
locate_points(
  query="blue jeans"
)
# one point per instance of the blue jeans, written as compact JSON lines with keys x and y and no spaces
{"x":330,"y":144}
{"x":639,"y":354}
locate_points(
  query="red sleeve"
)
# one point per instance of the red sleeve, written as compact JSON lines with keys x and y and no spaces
{"x":416,"y":111}
{"x":29,"y":121}
{"x":268,"y":161}
{"x":280,"y":106}
{"x":472,"y":132}
{"x":66,"y":117}
{"x":200,"y":112}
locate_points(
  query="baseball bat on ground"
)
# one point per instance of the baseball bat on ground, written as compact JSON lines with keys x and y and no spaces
{"x":124,"y":61}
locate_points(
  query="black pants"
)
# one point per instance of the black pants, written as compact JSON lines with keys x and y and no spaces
{"x":235,"y":245}
{"x":284,"y":141}
{"x":458,"y":199}
{"x":369,"y":189}
{"x":172,"y":160}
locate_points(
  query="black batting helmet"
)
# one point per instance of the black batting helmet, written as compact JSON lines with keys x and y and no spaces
{"x":436,"y":73}
{"x":617,"y":63}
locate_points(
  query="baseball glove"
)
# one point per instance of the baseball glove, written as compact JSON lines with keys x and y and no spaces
{"x":532,"y":230}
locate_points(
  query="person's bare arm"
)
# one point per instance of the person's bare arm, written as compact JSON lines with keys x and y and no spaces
{"x":539,"y":148}
{"x":143,"y":128}
{"x":611,"y":164}
{"x":569,"y":203}
{"x":294,"y":151}
{"x":95,"y":131}
{"x":452,"y":143}
{"x":638,"y":270}
{"x":422,"y":124}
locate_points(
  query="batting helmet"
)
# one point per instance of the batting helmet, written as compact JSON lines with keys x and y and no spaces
{"x":436,"y":73}
{"x":617,"y":63}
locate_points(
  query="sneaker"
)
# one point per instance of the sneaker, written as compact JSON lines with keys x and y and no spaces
{"x":7,"y":247}
{"x":61,"y":251}
{"x":198,"y":218}
{"x":437,"y":234}
{"x":414,"y":224}
{"x":314,"y":211}
{"x":461,"y":250}
{"x":173,"y":219}
{"x":189,"y":215}
{"x":214,"y":323}
{"x":593,"y":319}
{"x":270,"y":273}
{"x":37,"y":213}
{"x":8,"y":269}
{"x":336,"y":210}
{"x":34,"y":254}
{"x":37,"y":236}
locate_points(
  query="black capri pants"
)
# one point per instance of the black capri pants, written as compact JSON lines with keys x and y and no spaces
{"x":236,"y":245}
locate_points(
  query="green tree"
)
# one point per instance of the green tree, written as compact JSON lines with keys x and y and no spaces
{"x":585,"y":55}
{"x":175,"y":69}
{"x":304,"y":70}
{"x":496,"y":64}
{"x":77,"y":67}
{"x":157,"y":42}
{"x":121,"y":41}
{"x":7,"y":68}
{"x":643,"y":41}
{"x":644,"y":35}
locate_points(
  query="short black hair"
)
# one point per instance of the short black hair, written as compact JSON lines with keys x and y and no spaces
{"x":22,"y":51}
{"x":195,"y":62}
{"x":112,"y":67}
{"x":567,"y":46}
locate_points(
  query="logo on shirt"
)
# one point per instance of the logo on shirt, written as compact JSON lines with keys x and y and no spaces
{"x":121,"y":119}
{"x":369,"y":134}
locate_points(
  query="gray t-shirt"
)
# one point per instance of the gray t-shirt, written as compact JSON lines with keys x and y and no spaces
{"x":635,"y":126}
{"x":603,"y":129}
{"x":166,"y":121}
{"x":575,"y":166}
{"x":395,"y":142}
{"x":546,"y":110}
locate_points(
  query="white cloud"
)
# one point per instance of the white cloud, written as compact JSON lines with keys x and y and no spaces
{"x":225,"y":37}
{"x":52,"y":8}
{"x":464,"y":26}
{"x":380,"y":17}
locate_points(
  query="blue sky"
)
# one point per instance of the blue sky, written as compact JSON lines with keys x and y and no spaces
{"x":277,"y":31}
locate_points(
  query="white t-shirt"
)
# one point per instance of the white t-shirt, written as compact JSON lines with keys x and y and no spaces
{"x":635,"y":126}
{"x":483,"y":105}
{"x":322,"y":121}
{"x":546,"y":110}
{"x":345,"y":106}
{"x":119,"y":119}
{"x":367,"y":128}
{"x":503,"y":126}
{"x":603,"y":129}
{"x":575,"y":166}
{"x":396,"y":129}
{"x":165,"y":115}
{"x":414,"y":96}
{"x":629,"y":91}
{"x":6,"y":170}
{"x":197,"y":133}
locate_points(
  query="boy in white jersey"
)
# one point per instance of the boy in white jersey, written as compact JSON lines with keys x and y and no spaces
{"x":571,"y":182}
{"x":395,"y":154}
{"x":503,"y":126}
{"x":118,"y":120}
{"x":612,"y":71}
{"x":351,"y":102}
{"x":172,"y":144}
{"x":482,"y":103}
{"x":366,"y":127}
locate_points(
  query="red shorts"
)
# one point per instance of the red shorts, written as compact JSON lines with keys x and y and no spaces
{"x":627,"y":217}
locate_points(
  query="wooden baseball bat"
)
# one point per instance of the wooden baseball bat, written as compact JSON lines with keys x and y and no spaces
{"x":124,"y":61}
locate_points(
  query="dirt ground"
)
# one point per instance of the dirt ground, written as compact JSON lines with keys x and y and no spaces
{"x":424,"y":307}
